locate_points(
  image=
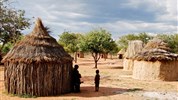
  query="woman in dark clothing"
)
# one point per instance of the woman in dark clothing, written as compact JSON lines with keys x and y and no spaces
{"x":76,"y":79}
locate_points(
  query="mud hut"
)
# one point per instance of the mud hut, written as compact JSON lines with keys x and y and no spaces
{"x":37,"y":65}
{"x":80,"y":54}
{"x":133,"y":48}
{"x":121,"y":53}
{"x":104,"y":55}
{"x":156,"y":62}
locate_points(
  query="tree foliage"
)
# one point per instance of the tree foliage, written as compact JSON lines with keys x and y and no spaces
{"x":171,"y":39}
{"x":70,"y":42}
{"x":12,"y":22}
{"x":97,"y":42}
{"x":123,"y":40}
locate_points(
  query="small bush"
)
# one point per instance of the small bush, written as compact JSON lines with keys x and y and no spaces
{"x":134,"y":89}
{"x":26,"y":96}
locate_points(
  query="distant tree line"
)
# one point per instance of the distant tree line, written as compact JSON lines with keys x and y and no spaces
{"x":171,"y":39}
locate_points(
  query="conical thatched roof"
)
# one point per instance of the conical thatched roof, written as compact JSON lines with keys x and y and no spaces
{"x":158,"y":44}
{"x":38,"y":46}
{"x":155,"y":50}
{"x":134,"y":47}
{"x":122,"y":51}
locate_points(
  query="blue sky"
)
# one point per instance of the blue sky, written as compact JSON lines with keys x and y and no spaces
{"x":119,"y":17}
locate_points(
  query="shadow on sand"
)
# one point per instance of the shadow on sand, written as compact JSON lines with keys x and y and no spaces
{"x":116,"y":67}
{"x":88,"y":91}
{"x":113,"y":67}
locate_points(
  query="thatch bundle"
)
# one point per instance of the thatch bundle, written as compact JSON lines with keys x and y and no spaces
{"x":38,"y":65}
{"x":133,"y":48}
{"x":156,"y":54}
{"x":158,"y":44}
{"x":155,"y":50}
{"x":122,"y":51}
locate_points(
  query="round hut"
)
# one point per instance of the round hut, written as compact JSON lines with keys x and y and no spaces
{"x":37,"y":65}
{"x":80,"y":54}
{"x":134,"y":47}
{"x":155,"y":62}
{"x":121,"y":53}
{"x":104,"y":55}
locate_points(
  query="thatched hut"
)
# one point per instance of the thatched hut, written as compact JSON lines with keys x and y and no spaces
{"x":134,"y":47}
{"x":38,"y":65}
{"x":121,"y":53}
{"x":155,"y":62}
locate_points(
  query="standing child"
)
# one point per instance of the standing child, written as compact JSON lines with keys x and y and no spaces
{"x":97,"y":80}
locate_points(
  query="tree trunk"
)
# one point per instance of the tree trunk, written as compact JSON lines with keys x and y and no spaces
{"x":96,"y":57}
{"x":96,"y":63}
{"x":75,"y":55}
{"x":111,"y":55}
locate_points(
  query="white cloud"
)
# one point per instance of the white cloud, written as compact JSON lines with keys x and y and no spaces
{"x":68,"y":14}
{"x":153,"y":16}
{"x":125,"y":27}
{"x":171,"y":10}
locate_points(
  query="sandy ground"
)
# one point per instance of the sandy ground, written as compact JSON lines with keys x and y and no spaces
{"x":116,"y":84}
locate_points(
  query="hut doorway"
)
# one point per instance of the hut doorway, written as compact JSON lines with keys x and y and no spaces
{"x":120,"y":56}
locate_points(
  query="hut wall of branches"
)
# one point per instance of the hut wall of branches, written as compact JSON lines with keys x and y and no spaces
{"x":133,"y":48}
{"x":38,"y":65}
{"x":156,"y":62}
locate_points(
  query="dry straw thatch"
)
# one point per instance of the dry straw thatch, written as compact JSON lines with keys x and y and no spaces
{"x":38,"y":46}
{"x":155,"y":50}
{"x":134,"y":47}
{"x":122,"y":51}
{"x":38,"y":65}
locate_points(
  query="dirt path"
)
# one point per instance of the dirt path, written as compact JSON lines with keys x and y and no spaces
{"x":116,"y":84}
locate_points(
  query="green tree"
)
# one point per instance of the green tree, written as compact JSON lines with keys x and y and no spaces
{"x":171,"y":39}
{"x":110,"y":47}
{"x":7,"y":47}
{"x":123,"y":40}
{"x":70,"y":43}
{"x":12,"y":22}
{"x":144,"y":37}
{"x":114,"y":49}
{"x":97,"y":42}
